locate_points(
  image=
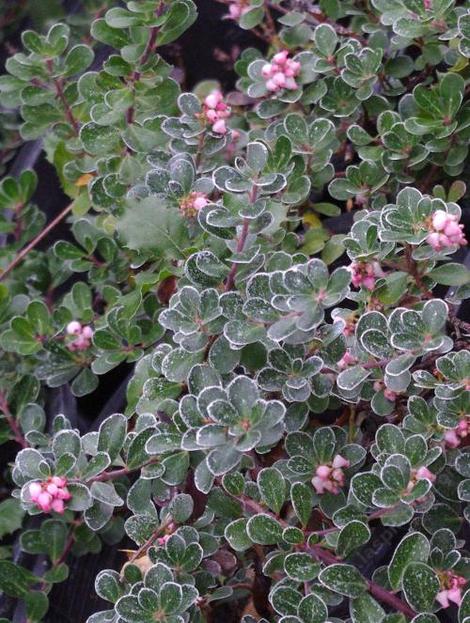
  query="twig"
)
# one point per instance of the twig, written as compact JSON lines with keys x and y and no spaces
{"x":241,"y":243}
{"x":22,"y":254}
{"x":155,"y":534}
{"x":12,"y":423}
{"x":376,"y":590}
{"x":67,"y":109}
{"x":326,"y":556}
{"x":116,"y":473}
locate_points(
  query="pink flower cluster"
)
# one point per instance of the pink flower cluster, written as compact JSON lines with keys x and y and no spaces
{"x":388,"y":393}
{"x":346,"y":360}
{"x":453,"y":437}
{"x":365,"y":274}
{"x":451,"y":589}
{"x":216,"y":111}
{"x":237,"y":9}
{"x":281,"y":72}
{"x":50,"y":495}
{"x":446,"y":231}
{"x":192,"y":203}
{"x":330,"y":477}
{"x":82,"y":336}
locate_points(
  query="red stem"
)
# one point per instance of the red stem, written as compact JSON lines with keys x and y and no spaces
{"x":376,"y":590}
{"x":68,"y":111}
{"x":327,"y":557}
{"x":22,"y":254}
{"x":116,"y":473}
{"x":241,"y":243}
{"x":12,"y":423}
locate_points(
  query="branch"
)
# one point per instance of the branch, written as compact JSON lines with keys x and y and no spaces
{"x":144,"y":547}
{"x":327,"y":557}
{"x":117,"y":473}
{"x":22,"y":254}
{"x":241,"y":243}
{"x":67,"y":109}
{"x":380,"y":593}
{"x":12,"y":423}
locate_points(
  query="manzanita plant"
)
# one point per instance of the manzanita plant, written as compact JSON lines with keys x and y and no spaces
{"x":300,"y":390}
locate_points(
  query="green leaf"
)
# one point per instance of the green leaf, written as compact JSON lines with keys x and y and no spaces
{"x":365,"y":609}
{"x":464,"y":610}
{"x":108,"y":585}
{"x":112,"y":434}
{"x":284,"y":600}
{"x":343,"y":579}
{"x":237,"y":536}
{"x":301,"y":567}
{"x":181,"y":507}
{"x":251,"y":18}
{"x":450,"y":274}
{"x":302,"y":501}
{"x":351,"y":378}
{"x":151,"y":224}
{"x":180,"y":16}
{"x":81,"y":497}
{"x":99,"y":140}
{"x":54,"y":536}
{"x":264,"y":529}
{"x":312,"y":609}
{"x":15,"y":581}
{"x":79,"y":58}
{"x":106,"y":493}
{"x":272,"y":487}
{"x":11,"y":516}
{"x":413,"y":547}
{"x":37,"y":605}
{"x":353,"y":535}
{"x":420,"y":586}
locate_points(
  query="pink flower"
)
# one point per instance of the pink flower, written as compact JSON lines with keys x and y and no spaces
{"x":451,"y":588}
{"x":58,"y":506}
{"x":74,"y":328}
{"x":330,"y":477}
{"x":346,"y":360}
{"x":87,"y":332}
{"x":453,"y":437}
{"x":192,"y":203}
{"x":219,"y":127}
{"x":82,"y":335}
{"x":323,"y":471}
{"x":424,"y":473}
{"x":439,"y":220}
{"x":213,"y":99}
{"x":44,"y":501}
{"x":216,"y":111}
{"x":455,"y":595}
{"x":442,"y":598}
{"x":35,"y":490}
{"x":266,"y":70}
{"x":50,"y":494}
{"x":280,"y":72}
{"x":365,"y":274}
{"x":445,"y":231}
{"x":390,"y":395}
{"x":340,"y":461}
{"x":237,"y":9}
